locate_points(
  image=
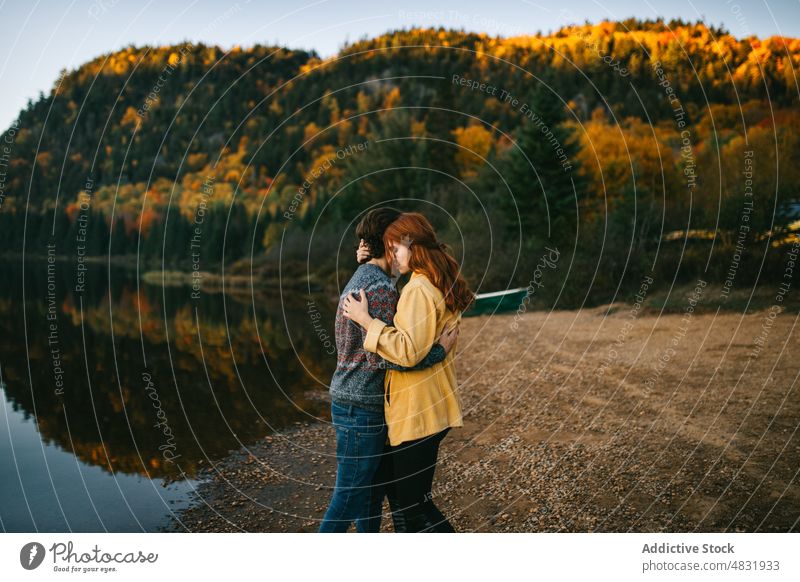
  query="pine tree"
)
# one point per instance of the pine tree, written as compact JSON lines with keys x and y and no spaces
{"x":544,"y":181}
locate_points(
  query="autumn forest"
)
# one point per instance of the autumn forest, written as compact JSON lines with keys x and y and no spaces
{"x":635,"y":146}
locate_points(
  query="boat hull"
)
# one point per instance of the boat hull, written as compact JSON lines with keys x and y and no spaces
{"x":496,"y":303}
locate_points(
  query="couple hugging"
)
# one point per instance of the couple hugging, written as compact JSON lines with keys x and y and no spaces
{"x":393,"y":394}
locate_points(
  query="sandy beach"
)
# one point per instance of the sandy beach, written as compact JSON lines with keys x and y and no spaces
{"x":598,"y":420}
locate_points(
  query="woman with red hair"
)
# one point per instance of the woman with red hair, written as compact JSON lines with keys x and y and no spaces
{"x":420,"y":406}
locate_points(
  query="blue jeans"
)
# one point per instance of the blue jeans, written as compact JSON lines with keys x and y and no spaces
{"x":360,"y":440}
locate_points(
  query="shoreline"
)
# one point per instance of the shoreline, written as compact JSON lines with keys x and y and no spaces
{"x":550,"y":445}
{"x":263,"y":280}
{"x":174,"y":275}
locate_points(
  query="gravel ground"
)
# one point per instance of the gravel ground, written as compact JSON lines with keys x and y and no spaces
{"x":577,"y":421}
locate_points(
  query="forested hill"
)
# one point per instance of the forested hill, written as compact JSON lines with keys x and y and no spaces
{"x":146,"y":131}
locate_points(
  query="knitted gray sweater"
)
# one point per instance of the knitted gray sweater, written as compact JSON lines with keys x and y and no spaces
{"x":359,"y":374}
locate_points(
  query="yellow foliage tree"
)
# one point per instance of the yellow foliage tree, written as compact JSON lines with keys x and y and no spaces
{"x":476,"y":143}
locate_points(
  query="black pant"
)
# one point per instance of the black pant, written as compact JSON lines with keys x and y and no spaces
{"x":405,"y":476}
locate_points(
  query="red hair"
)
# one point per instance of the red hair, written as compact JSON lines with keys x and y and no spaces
{"x":429,"y":257}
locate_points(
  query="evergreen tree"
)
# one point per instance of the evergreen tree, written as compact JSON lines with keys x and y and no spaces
{"x":542,"y":172}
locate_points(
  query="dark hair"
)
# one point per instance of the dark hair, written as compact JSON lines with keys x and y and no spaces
{"x":372,"y":227}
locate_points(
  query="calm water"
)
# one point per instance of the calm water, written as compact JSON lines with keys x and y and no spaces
{"x":114,"y":397}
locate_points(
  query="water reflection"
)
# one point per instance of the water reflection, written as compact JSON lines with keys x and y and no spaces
{"x":117,"y":388}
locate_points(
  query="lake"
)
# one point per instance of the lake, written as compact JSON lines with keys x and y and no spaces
{"x":115,"y":393}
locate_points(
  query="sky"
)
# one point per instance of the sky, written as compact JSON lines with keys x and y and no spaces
{"x":39,"y":38}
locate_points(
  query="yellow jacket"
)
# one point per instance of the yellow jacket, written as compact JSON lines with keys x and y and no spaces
{"x":422,"y":402}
